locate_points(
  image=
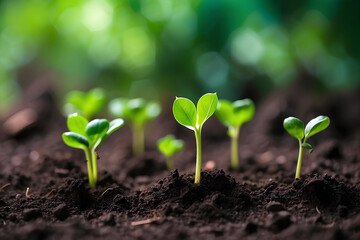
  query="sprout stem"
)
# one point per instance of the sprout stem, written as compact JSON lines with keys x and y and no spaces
{"x":169,"y":163}
{"x":138,"y":138}
{"x":94,"y":165}
{"x":234,"y":149}
{"x":298,"y":168}
{"x":198,"y":156}
{"x":89,"y":166}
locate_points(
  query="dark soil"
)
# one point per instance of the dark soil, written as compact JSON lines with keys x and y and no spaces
{"x":137,"y":198}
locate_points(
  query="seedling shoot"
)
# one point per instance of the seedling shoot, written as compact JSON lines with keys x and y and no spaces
{"x":233,"y":116}
{"x":295,"y":127}
{"x":86,"y":104}
{"x":89,"y":136}
{"x":168,"y":145}
{"x":138,"y":112}
{"x":194,"y":118}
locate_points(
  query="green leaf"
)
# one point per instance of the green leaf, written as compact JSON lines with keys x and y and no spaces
{"x":206,"y":107}
{"x":75,"y":98}
{"x":95,"y":100}
{"x":115,"y":125}
{"x":316,"y":125}
{"x":185,"y":112}
{"x":295,"y":127}
{"x":96,"y":130}
{"x":75,"y":140}
{"x":168,"y":145}
{"x":135,"y":110}
{"x":235,"y":114}
{"x":244,"y":110}
{"x":153,"y":109}
{"x":307,"y":146}
{"x":77,"y":123}
{"x":117,"y":106}
{"x":225,"y":113}
{"x":88,"y":103}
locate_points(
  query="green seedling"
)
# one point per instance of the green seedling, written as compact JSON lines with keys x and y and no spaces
{"x":295,"y":127}
{"x":86,"y":104}
{"x":168,"y":145}
{"x":138,"y":112}
{"x":89,"y":136}
{"x":193,"y":118}
{"x":233,"y":116}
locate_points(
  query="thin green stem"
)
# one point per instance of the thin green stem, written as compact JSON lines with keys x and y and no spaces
{"x":94,"y":166}
{"x":234,"y":149}
{"x":298,"y":168}
{"x":89,"y":166}
{"x":198,"y":156}
{"x":169,"y":163}
{"x":138,"y":138}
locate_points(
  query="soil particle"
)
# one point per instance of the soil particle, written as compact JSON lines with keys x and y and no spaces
{"x":61,"y":212}
{"x":31,"y":214}
{"x":274,"y":207}
{"x":108,"y":219}
{"x":251,"y":227}
{"x":279,"y":221}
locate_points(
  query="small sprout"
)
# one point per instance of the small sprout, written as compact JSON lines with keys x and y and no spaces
{"x":296,"y":128}
{"x":88,"y":136}
{"x":86,"y":104}
{"x":168,"y":145}
{"x":138,"y":112}
{"x":193,"y":118}
{"x":234,"y":115}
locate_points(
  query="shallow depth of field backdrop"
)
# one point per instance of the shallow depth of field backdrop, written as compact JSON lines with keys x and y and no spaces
{"x":161,"y":48}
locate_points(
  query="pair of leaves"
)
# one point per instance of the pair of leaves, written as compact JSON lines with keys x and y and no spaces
{"x":135,"y":110}
{"x":193,"y":118}
{"x":168,"y":145}
{"x":87,"y":104}
{"x":84,"y":134}
{"x":235,"y":114}
{"x":296,"y":128}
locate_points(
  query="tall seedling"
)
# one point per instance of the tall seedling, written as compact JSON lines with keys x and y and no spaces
{"x":138,"y":112}
{"x":194,"y":118}
{"x":295,"y":127}
{"x":233,"y":116}
{"x":89,"y":136}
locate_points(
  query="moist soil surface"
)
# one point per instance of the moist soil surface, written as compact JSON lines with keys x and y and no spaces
{"x":45,"y":194}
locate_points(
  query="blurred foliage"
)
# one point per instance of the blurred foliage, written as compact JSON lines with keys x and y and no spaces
{"x":143,"y":48}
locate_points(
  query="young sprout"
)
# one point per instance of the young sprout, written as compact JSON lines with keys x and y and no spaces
{"x":86,"y":104}
{"x":168,"y":145}
{"x":88,"y":136}
{"x":234,"y":115}
{"x":193,"y":118}
{"x":138,"y":112}
{"x":295,"y":127}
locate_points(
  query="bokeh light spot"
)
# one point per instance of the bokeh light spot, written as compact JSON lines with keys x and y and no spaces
{"x":97,"y":15}
{"x":247,"y":46}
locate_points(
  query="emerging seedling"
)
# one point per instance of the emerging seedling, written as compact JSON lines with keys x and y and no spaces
{"x":168,"y":145}
{"x":234,"y":115}
{"x":295,"y":127}
{"x":86,"y":104}
{"x":194,"y":118}
{"x":88,"y":136}
{"x":138,"y":112}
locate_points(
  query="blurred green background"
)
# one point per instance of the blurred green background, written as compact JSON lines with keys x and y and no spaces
{"x":154,"y":48}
